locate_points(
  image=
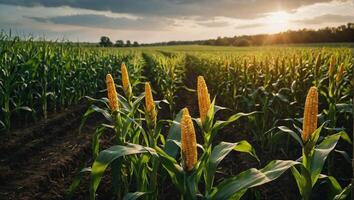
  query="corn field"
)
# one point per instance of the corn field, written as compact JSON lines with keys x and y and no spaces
{"x":177,"y":122}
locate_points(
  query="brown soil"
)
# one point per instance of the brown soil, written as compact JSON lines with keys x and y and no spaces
{"x":40,"y":161}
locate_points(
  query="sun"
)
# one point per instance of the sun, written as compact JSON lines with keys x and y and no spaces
{"x":278,"y":21}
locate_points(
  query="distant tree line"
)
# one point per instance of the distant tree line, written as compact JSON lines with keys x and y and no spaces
{"x":106,"y":42}
{"x":343,"y":33}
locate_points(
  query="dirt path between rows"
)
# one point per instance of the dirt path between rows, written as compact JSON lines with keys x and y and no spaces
{"x":40,"y":162}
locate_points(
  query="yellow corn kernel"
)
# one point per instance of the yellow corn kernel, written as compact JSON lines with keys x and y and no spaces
{"x":188,"y":141}
{"x":310,"y":114}
{"x":149,"y":103}
{"x":340,"y":73}
{"x":125,"y":80}
{"x":112,"y":93}
{"x":203,"y":98}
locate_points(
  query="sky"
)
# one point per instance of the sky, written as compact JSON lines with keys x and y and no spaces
{"x":148,"y":21}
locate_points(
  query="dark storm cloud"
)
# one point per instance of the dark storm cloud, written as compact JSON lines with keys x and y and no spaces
{"x":177,"y":8}
{"x":329,"y":18}
{"x":101,"y":21}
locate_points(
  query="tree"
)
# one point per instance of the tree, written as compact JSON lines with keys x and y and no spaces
{"x":105,"y":41}
{"x":119,"y":43}
{"x":135,"y":44}
{"x":128,"y":43}
{"x":242,"y":42}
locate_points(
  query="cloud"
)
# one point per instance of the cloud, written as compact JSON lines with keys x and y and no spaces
{"x":242,"y":9}
{"x":328,"y":18}
{"x":247,"y":26}
{"x":102,"y":21}
{"x":213,"y":24}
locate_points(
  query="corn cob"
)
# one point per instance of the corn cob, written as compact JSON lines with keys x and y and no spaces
{"x":112,"y":93}
{"x":125,"y":80}
{"x":188,"y":141}
{"x":310,"y":114}
{"x":203,"y":98}
{"x":340,"y":73}
{"x":149,"y":104}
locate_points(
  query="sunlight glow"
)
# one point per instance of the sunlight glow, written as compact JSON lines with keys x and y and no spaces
{"x":278,"y":21}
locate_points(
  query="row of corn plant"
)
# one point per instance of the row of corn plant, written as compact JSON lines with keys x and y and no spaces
{"x":279,"y":100}
{"x":167,"y":73}
{"x":37,"y":78}
{"x":274,"y":83}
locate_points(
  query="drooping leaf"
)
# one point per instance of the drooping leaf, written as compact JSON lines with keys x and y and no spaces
{"x":292,"y":133}
{"x":245,"y":147}
{"x":220,"y":124}
{"x":250,"y":178}
{"x":134,"y":195}
{"x":25,"y":108}
{"x":345,"y":155}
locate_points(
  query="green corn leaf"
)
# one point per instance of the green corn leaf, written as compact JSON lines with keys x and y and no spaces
{"x":336,"y":188}
{"x":320,"y":155}
{"x":250,"y":178}
{"x":134,"y":195}
{"x":245,"y":147}
{"x":292,"y":133}
{"x":345,"y":155}
{"x":103,"y":100}
{"x":219,"y":152}
{"x":345,"y":137}
{"x":220,"y":124}
{"x":87,"y":114}
{"x":344,"y":194}
{"x":303,"y":180}
{"x":107,"y":156}
{"x":25,"y":108}
{"x":96,"y":139}
{"x":76,"y":182}
{"x":124,"y":102}
{"x":172,"y":167}
{"x":344,"y":108}
{"x":174,"y":134}
{"x":2,"y":125}
{"x":137,"y":101}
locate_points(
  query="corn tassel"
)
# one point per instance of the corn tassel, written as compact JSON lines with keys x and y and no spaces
{"x":317,"y":66}
{"x":203,"y":98}
{"x":340,"y":73}
{"x":149,"y":104}
{"x":188,"y":141}
{"x":112,"y":93}
{"x":125,"y":81}
{"x":310,"y":114}
{"x":332,"y":65}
